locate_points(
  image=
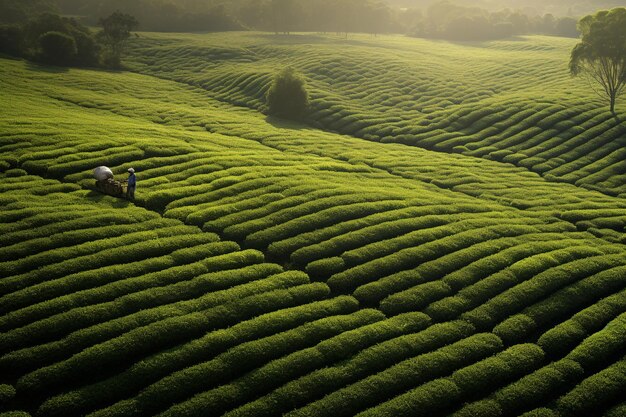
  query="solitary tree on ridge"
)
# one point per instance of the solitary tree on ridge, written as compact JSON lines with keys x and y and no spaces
{"x":601,"y":54}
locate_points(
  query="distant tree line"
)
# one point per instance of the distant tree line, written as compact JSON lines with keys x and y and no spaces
{"x":446,"y":20}
{"x":337,"y":16}
{"x":158,"y":15}
{"x":441,"y":19}
{"x":53,"y":39}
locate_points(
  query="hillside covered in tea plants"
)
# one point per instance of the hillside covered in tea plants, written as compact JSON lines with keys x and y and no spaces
{"x":443,"y":236}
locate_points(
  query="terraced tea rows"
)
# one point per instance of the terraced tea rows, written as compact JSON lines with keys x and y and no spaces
{"x":442,"y":284}
{"x":510,"y":101}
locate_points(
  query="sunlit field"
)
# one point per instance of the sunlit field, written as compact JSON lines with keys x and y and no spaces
{"x":511,"y":100}
{"x":445,"y":236}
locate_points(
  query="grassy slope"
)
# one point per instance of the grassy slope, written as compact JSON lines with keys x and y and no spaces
{"x":400,"y":229}
{"x":510,"y":101}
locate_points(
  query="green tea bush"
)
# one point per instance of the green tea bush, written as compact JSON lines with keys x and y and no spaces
{"x":403,"y":376}
{"x":482,"y":408}
{"x":426,"y":251}
{"x":153,"y":368}
{"x":53,"y":256}
{"x":324,"y":268}
{"x":406,"y":285}
{"x":343,"y":212}
{"x":342,"y":243}
{"x":596,"y":349}
{"x":281,"y":369}
{"x":242,"y":359}
{"x":537,"y":387}
{"x":604,"y":387}
{"x":140,"y":309}
{"x":429,"y":398}
{"x":315,"y":385}
{"x":16,"y":172}
{"x":565,"y":336}
{"x":30,"y":287}
{"x":287,"y":246}
{"x":416,"y":298}
{"x":480,"y":378}
{"x":544,"y":283}
{"x":312,"y":208}
{"x":167,"y":333}
{"x":111,"y":226}
{"x":617,"y":411}
{"x":7,"y":392}
{"x":562,"y":303}
{"x":541,"y":412}
{"x":71,"y":228}
{"x":441,"y":394}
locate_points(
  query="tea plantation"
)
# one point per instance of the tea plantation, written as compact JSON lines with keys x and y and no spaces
{"x":445,"y":237}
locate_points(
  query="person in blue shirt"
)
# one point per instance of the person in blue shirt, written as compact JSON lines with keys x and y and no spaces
{"x":132,"y":184}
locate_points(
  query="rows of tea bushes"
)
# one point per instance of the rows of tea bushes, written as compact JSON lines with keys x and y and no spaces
{"x":268,"y":268}
{"x":139,"y":287}
{"x":517,"y":105}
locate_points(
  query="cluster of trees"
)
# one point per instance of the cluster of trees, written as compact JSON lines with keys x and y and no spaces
{"x":12,"y":11}
{"x":441,"y":19}
{"x":446,"y":20}
{"x":57,"y":40}
{"x":158,"y":15}
{"x":52,"y":39}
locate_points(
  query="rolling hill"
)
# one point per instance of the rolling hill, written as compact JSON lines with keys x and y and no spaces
{"x":445,"y":238}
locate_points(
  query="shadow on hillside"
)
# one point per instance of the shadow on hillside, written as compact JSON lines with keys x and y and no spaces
{"x":34,"y":66}
{"x":11,"y":57}
{"x":291,"y":124}
{"x":98,"y":197}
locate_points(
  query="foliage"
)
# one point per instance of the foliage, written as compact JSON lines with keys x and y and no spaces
{"x":111,"y":309}
{"x":17,"y":12}
{"x":11,"y":39}
{"x":445,"y":20}
{"x":601,"y":54}
{"x":57,"y":48}
{"x":51,"y":38}
{"x":7,"y":392}
{"x":287,"y":95}
{"x":115,"y":32}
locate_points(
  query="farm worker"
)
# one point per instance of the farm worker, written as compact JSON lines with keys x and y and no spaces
{"x":132,"y":184}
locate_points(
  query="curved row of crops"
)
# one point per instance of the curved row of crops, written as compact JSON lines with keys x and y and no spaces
{"x":510,"y":101}
{"x":442,"y":283}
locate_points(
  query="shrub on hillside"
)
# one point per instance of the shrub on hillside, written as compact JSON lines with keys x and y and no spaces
{"x":57,"y":48}
{"x":7,"y":392}
{"x":11,"y":39}
{"x":85,"y":47}
{"x":287,"y":96}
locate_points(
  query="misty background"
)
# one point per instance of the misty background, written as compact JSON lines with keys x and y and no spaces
{"x":437,"y":19}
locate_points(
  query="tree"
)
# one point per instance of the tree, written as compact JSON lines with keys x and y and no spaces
{"x":11,"y":39}
{"x":601,"y":55}
{"x":57,"y":48}
{"x":287,"y":96}
{"x":115,"y":31}
{"x":86,"y":47}
{"x":567,"y":27}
